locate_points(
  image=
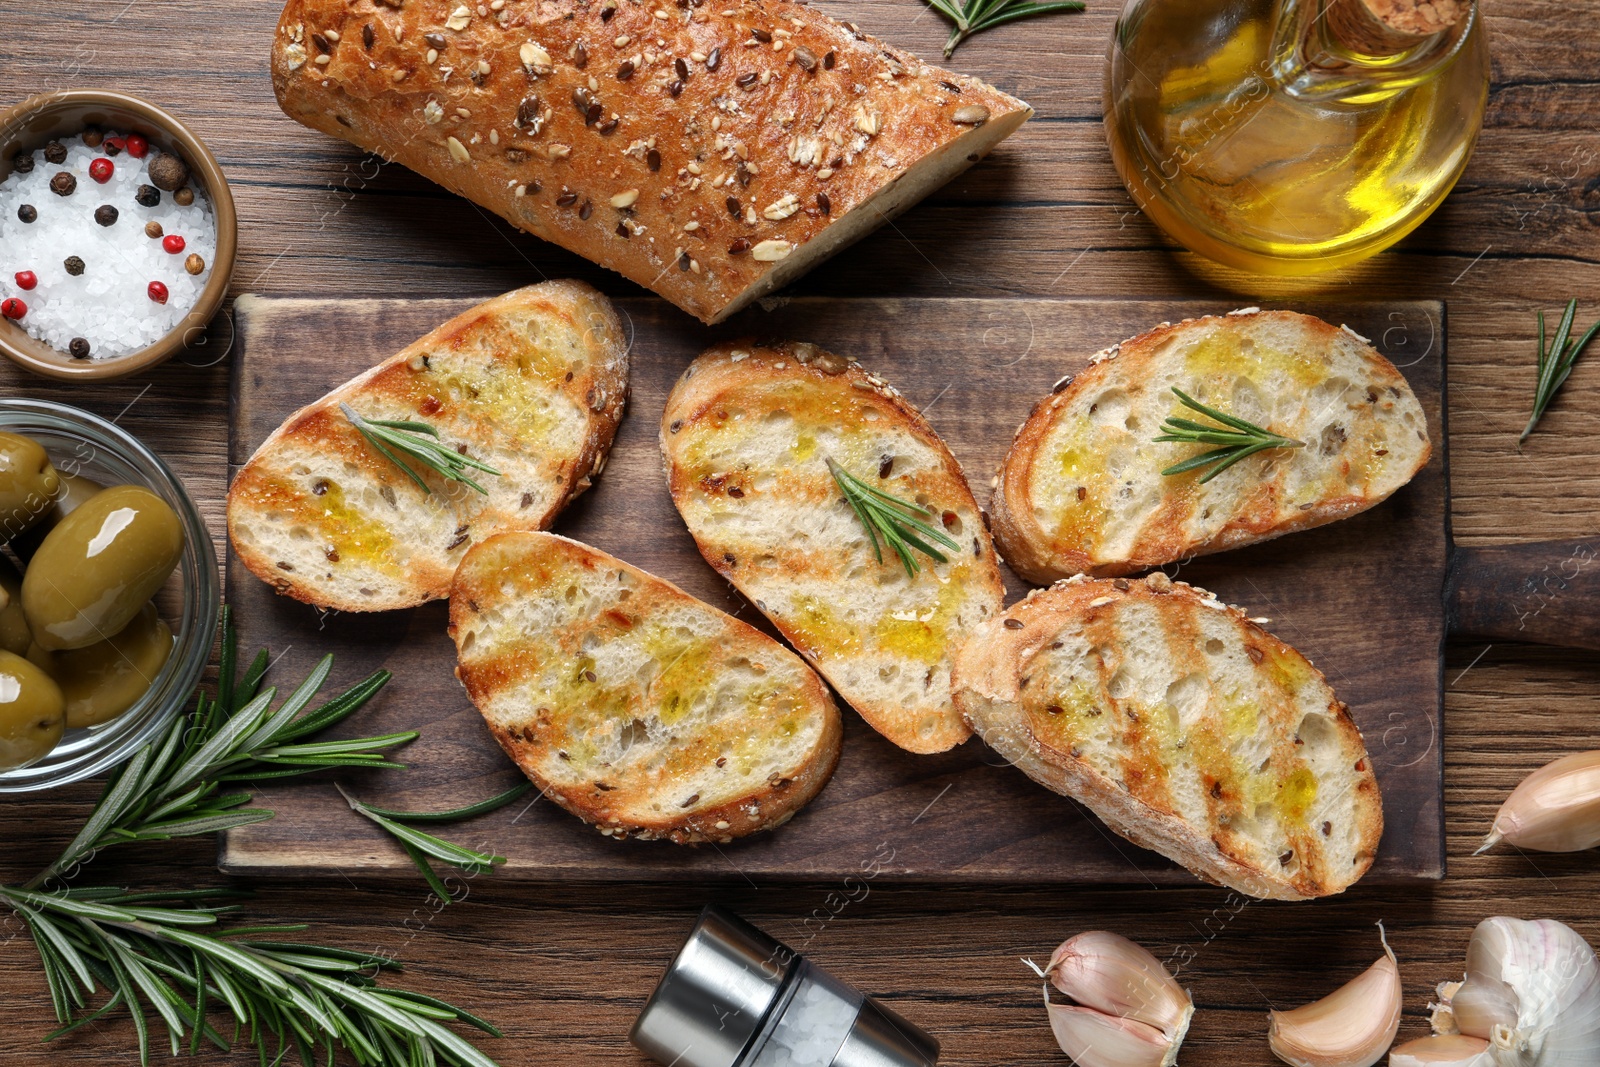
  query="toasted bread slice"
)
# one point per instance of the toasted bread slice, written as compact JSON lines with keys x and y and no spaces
{"x":532,"y":383}
{"x":1081,"y":491}
{"x":747,"y":434}
{"x":636,"y":707}
{"x":1185,"y":726}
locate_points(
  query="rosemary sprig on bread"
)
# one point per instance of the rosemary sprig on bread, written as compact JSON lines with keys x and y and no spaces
{"x":898,"y":522}
{"x":1235,"y":439}
{"x":420,"y":442}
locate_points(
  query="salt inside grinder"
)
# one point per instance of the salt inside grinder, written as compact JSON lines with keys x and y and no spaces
{"x":734,"y":997}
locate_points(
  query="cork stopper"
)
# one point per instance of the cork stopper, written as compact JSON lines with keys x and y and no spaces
{"x":1386,"y":27}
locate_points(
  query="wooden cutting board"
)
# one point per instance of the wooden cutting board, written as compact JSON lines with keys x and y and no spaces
{"x":1363,"y":598}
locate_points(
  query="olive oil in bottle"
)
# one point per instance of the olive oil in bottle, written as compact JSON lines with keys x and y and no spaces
{"x":1293,"y":136}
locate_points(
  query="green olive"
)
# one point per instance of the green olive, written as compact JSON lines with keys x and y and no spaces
{"x":95,"y":571}
{"x":27,"y":483}
{"x":104,"y":680}
{"x":74,"y":491}
{"x":14,"y":636}
{"x":31,"y":716}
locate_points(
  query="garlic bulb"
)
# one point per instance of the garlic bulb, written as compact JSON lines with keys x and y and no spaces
{"x":1442,"y":1050}
{"x":1555,"y":809}
{"x":1533,"y":992}
{"x":1127,"y":1011}
{"x":1351,"y":1027}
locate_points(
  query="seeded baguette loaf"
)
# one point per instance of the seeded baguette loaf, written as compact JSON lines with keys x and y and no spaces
{"x":747,"y":433}
{"x":533,"y":383}
{"x":1183,"y":725}
{"x":1081,"y":490}
{"x":710,"y":152}
{"x":634,"y":706}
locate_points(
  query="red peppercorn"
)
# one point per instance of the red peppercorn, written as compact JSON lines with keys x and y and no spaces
{"x":12,"y":308}
{"x":137,"y":146}
{"x":113,"y":145}
{"x":26,"y":279}
{"x":158,"y":292}
{"x":100,"y":170}
{"x":172,"y":243}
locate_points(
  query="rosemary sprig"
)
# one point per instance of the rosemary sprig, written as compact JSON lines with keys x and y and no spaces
{"x":174,"y":787}
{"x":1236,"y":439}
{"x":157,"y":952}
{"x":1555,"y":364}
{"x":392,"y":437}
{"x":899,"y":522}
{"x":160,"y":951}
{"x":422,"y":847}
{"x":975,"y":16}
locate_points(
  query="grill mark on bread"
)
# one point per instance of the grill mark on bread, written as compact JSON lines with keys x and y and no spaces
{"x":720,"y":431}
{"x":1215,"y":838}
{"x":508,"y":668}
{"x":511,"y":361}
{"x":1055,"y":516}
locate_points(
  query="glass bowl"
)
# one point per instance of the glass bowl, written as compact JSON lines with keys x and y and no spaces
{"x":83,"y":444}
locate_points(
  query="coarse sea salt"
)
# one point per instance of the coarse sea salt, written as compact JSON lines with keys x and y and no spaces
{"x":108,"y":305}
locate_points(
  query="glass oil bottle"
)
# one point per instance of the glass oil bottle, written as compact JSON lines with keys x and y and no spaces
{"x":1291,"y":137}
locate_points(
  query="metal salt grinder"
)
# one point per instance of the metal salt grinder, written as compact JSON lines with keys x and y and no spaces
{"x":734,"y":997}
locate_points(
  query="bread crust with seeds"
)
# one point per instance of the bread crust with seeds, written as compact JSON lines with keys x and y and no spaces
{"x":1080,"y":491}
{"x":747,"y":433}
{"x":631,"y":704}
{"x":711,"y":152}
{"x":1182,"y":724}
{"x":533,"y":383}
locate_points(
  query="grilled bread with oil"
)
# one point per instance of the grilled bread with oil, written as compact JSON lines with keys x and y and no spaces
{"x":1184,"y":726}
{"x":747,"y":434}
{"x":1081,"y":491}
{"x":532,"y":383}
{"x":631,"y":704}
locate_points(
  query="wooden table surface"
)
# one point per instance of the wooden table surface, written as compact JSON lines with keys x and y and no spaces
{"x":564,"y":969}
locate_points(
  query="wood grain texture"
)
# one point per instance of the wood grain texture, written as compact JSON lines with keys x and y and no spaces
{"x":975,"y":368}
{"x":564,"y":968}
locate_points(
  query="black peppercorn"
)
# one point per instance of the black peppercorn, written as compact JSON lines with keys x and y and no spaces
{"x":23,"y":163}
{"x":28,"y":213}
{"x":79,"y":348}
{"x":183,"y":197}
{"x":55,"y":152}
{"x":93,"y":137}
{"x":74,"y":265}
{"x":168,"y":172}
{"x":63,"y":184}
{"x":105,"y":215}
{"x":147,"y":195}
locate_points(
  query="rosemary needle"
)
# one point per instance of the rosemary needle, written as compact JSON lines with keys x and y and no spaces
{"x":1235,"y":439}
{"x":423,"y":847}
{"x":975,"y":16}
{"x":1555,"y":364}
{"x":899,"y":522}
{"x":420,"y":442}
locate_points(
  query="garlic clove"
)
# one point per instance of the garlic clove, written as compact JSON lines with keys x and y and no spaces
{"x":1094,"y":1039}
{"x":1441,"y":1016}
{"x":1127,"y":1011}
{"x":1114,"y":976}
{"x":1351,"y":1027}
{"x":1554,"y":809}
{"x":1442,"y":1050}
{"x":1533,"y":992}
